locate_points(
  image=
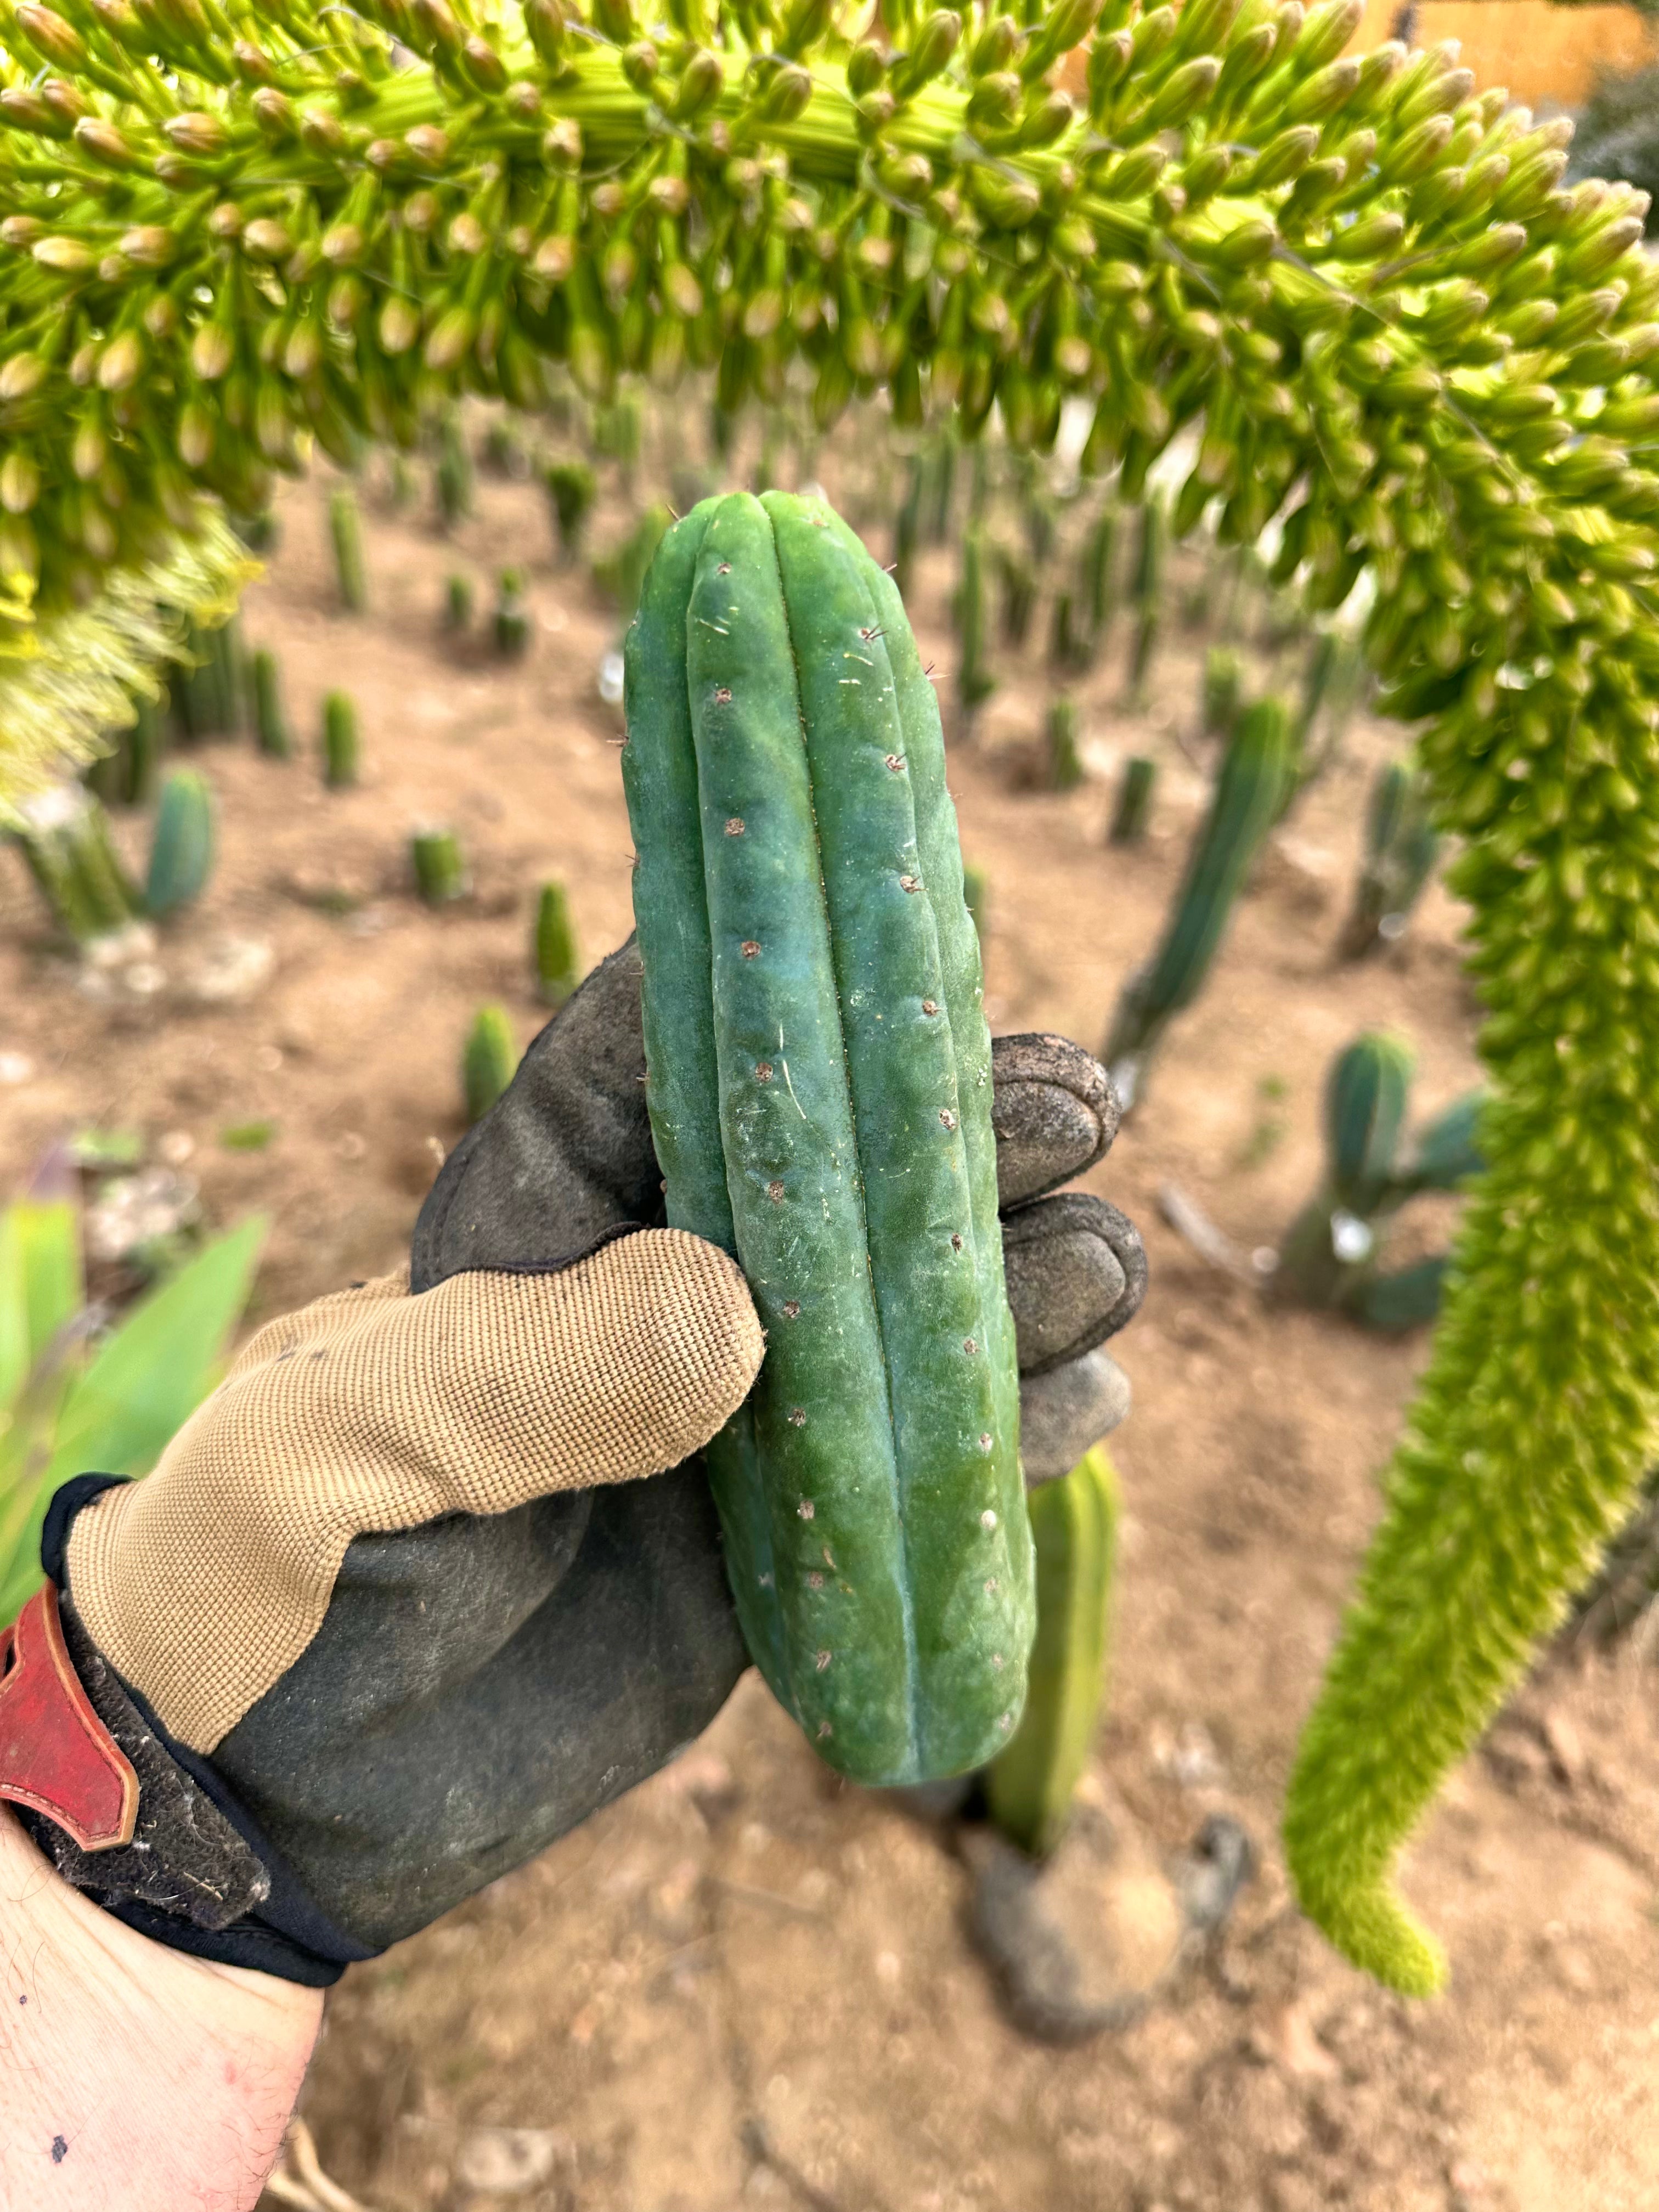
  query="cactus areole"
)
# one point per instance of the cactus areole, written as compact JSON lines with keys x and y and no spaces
{"x":228,"y":231}
{"x":819,"y":1083}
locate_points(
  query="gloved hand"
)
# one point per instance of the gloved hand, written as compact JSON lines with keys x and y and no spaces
{"x":393,"y":1613}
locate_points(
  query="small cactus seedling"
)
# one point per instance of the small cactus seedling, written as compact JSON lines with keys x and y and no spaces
{"x":974,"y":682}
{"x":341,"y":747}
{"x":1068,"y":641}
{"x":1134,"y":800}
{"x":206,"y":695}
{"x":1331,"y":1254}
{"x":345,"y":530}
{"x":441,"y":874}
{"x":619,"y":432}
{"x":181,"y":850}
{"x":1223,"y":690}
{"x":400,"y":485}
{"x":512,"y":623}
{"x":64,"y":836}
{"x":553,"y":945}
{"x":571,"y":488}
{"x":1244,"y":806}
{"x":1148,"y":596}
{"x":941,"y":488}
{"x":1018,"y":579}
{"x":1098,"y":574}
{"x":488,"y":1059}
{"x":453,"y":478}
{"x":504,"y":452}
{"x":1065,"y":768}
{"x":1029,"y":1787}
{"x":1401,"y":850}
{"x":457,"y":604}
{"x":270,"y":716}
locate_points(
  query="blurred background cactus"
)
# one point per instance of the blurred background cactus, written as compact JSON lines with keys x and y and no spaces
{"x":489,"y":1059}
{"x":1332,"y":1253}
{"x":554,"y":956}
{"x":1401,"y":850}
{"x":1030,"y":1786}
{"x":340,"y":741}
{"x":1258,"y":766}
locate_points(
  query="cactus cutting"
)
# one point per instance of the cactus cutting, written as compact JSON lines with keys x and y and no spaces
{"x":819,"y":1088}
{"x":1355,"y":284}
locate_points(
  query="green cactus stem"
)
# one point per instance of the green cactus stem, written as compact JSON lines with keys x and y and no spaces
{"x":1243,"y":808}
{"x":1148,"y":597}
{"x":1133,"y":809}
{"x":490,"y":1060}
{"x":571,"y":488}
{"x":1332,"y":1254}
{"x":64,"y":836}
{"x":1029,"y":1787}
{"x":459,"y":602}
{"x":440,"y":870}
{"x":341,"y":747}
{"x":940,"y":499}
{"x":401,"y":490}
{"x":206,"y":695}
{"x":1099,"y":564}
{"x":511,"y":626}
{"x":1359,"y":285}
{"x":126,"y":775}
{"x":1018,"y":579}
{"x":452,"y":480}
{"x":1223,"y":690}
{"x":1065,"y":761}
{"x":1068,"y":641}
{"x":271,"y":725}
{"x":819,"y":1087}
{"x":1400,"y":850}
{"x":181,"y":851}
{"x":345,"y":532}
{"x":554,"y":957}
{"x":504,"y":453}
{"x":974,"y":682}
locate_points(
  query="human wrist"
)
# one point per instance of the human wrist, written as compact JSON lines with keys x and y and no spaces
{"x":133,"y":2076}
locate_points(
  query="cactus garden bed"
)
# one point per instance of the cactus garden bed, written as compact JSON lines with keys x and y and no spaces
{"x":750,"y":1983}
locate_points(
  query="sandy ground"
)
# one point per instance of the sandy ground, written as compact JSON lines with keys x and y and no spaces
{"x":748,"y":1982}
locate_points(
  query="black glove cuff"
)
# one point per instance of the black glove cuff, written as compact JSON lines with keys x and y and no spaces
{"x":198,"y":1875}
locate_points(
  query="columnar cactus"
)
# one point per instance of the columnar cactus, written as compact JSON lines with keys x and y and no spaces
{"x":1358,"y":282}
{"x":819,"y":1086}
{"x":270,"y":727}
{"x":1065,"y":761}
{"x":1134,"y":800}
{"x":341,"y":747}
{"x":345,"y":530}
{"x":439,"y":866}
{"x":489,"y":1059}
{"x":63,"y":837}
{"x":553,"y":945}
{"x":182,"y":848}
{"x":1400,"y":850}
{"x":1028,"y":1788}
{"x":571,"y":488}
{"x":974,"y":682}
{"x":1258,"y":767}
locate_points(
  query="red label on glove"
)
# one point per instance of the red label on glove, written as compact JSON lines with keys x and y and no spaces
{"x":56,"y":1755}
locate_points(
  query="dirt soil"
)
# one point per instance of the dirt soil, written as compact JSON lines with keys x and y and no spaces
{"x":749,"y":1983}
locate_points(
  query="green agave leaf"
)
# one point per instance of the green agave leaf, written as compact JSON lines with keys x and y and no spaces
{"x":41,"y":1287}
{"x":146,"y":1380}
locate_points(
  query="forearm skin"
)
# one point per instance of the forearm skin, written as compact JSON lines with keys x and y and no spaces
{"x":133,"y":2078}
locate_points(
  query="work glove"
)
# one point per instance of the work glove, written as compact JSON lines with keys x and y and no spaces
{"x":396,"y":1609}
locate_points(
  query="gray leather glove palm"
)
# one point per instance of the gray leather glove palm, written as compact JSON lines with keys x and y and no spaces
{"x":458,"y":1690}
